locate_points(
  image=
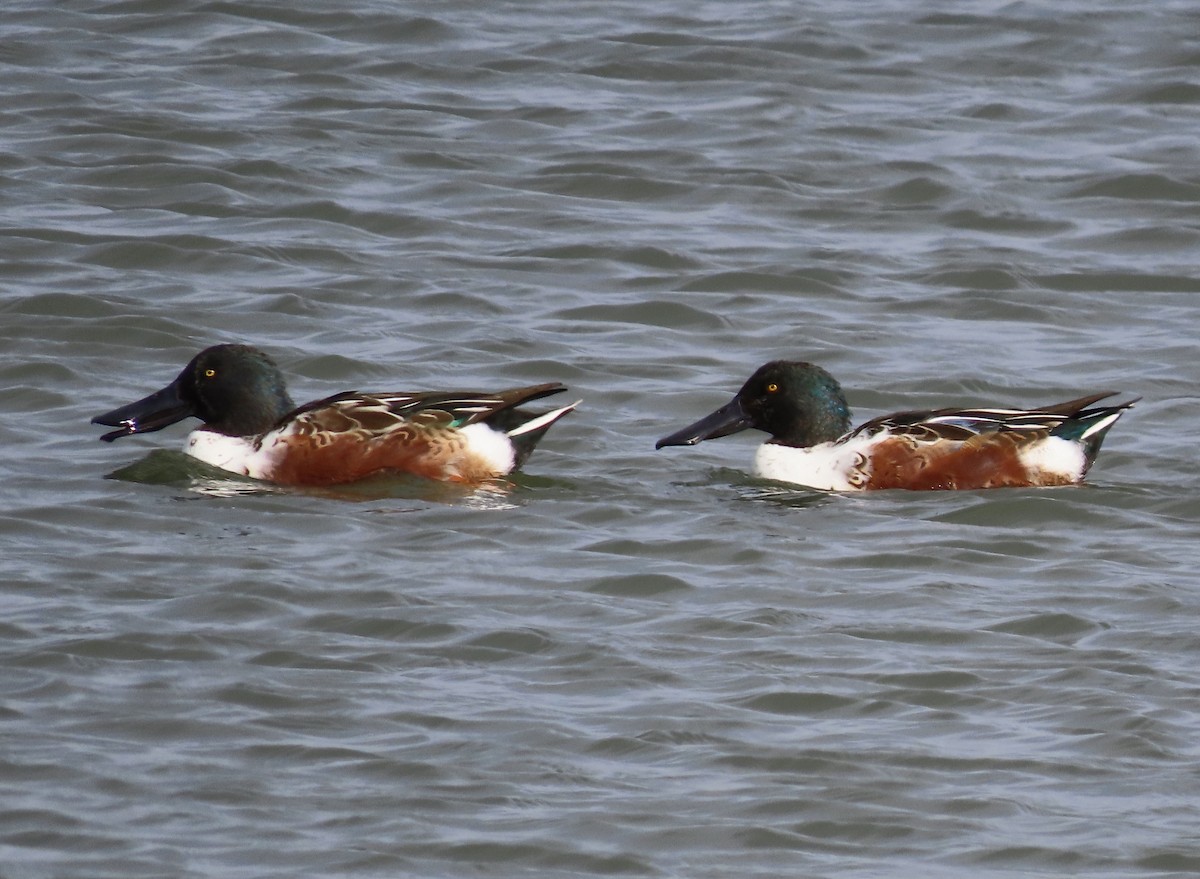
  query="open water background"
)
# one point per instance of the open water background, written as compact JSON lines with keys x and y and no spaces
{"x":633,"y":663}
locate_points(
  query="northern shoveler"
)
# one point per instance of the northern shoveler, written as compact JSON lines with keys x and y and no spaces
{"x":804,"y":410}
{"x":252,"y":427}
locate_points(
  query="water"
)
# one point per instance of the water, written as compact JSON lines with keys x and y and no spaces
{"x":631,"y":662}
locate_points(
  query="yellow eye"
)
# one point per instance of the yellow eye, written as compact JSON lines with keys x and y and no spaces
{"x":772,"y":388}
{"x":209,"y":373}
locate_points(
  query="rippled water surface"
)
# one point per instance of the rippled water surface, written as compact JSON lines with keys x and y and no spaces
{"x":626,"y":662}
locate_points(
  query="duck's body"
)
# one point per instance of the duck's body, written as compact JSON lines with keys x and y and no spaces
{"x":252,"y":428}
{"x":811,"y":444}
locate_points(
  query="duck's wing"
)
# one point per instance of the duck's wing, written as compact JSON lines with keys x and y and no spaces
{"x":962,"y":424}
{"x":376,"y":413}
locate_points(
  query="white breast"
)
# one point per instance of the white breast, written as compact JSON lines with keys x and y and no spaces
{"x":233,"y":453}
{"x":825,"y":466}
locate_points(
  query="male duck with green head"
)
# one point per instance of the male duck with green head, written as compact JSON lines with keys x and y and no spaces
{"x":803,"y":409}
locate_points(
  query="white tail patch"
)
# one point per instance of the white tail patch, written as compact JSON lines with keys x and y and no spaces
{"x":1055,"y":456}
{"x":490,"y":446}
{"x":495,"y":449}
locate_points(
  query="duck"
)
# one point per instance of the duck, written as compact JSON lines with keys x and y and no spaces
{"x":251,"y":427}
{"x":803,"y":409}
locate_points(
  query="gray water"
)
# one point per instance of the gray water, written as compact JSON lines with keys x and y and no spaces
{"x":627,"y":662}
